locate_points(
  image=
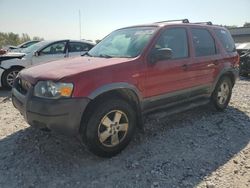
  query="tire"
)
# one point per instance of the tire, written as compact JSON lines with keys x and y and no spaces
{"x":9,"y":76}
{"x":222,"y":93}
{"x":110,"y":127}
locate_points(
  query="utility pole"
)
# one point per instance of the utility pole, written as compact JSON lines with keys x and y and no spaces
{"x":80,"y":24}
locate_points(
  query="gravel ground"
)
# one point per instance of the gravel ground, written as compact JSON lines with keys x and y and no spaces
{"x":197,"y":148}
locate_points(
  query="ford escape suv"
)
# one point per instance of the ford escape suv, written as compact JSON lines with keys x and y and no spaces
{"x":104,"y":94}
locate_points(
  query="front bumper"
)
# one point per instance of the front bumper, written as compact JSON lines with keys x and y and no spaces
{"x":61,"y":115}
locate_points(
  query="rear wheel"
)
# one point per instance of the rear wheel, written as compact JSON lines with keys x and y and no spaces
{"x":110,"y":127}
{"x":222,"y":93}
{"x":9,"y":77}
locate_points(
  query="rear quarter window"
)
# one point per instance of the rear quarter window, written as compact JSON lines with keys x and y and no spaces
{"x":226,"y":40}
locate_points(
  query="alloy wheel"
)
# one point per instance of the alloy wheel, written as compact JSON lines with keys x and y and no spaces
{"x":113,"y":128}
{"x":223,"y":93}
{"x":11,"y":77}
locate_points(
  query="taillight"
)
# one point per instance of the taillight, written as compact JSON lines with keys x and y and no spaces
{"x":237,"y":61}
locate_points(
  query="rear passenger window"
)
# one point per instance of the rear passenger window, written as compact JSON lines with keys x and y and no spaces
{"x":204,"y":44}
{"x":225,"y":39}
{"x":176,"y":40}
{"x":78,"y":47}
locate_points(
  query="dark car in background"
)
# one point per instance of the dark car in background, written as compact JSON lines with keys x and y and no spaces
{"x":244,"y":51}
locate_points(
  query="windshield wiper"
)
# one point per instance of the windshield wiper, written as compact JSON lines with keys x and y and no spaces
{"x":87,"y":54}
{"x":105,"y":56}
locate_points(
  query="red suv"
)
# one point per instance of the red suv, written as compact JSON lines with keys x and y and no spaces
{"x":104,"y":94}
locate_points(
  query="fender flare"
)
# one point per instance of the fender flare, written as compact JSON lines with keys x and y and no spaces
{"x":122,"y":85}
{"x":230,"y":70}
{"x":114,"y":86}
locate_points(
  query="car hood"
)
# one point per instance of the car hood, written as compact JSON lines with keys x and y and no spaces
{"x":11,"y":55}
{"x":14,"y":54}
{"x":57,"y":70}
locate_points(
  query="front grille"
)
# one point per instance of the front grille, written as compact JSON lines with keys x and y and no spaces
{"x":22,"y":85}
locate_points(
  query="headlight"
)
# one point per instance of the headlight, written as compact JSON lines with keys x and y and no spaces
{"x":53,"y":90}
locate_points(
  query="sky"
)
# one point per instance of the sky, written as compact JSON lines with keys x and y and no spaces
{"x":59,"y":19}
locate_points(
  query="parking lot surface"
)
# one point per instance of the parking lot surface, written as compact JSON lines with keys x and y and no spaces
{"x":197,"y":148}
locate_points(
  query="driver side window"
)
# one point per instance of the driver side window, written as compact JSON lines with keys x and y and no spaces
{"x":55,"y":48}
{"x":176,"y":40}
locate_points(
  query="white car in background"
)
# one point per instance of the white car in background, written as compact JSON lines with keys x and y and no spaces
{"x":20,"y":47}
{"x":41,"y":52}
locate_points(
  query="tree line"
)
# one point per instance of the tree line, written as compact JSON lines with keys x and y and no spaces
{"x":15,"y":39}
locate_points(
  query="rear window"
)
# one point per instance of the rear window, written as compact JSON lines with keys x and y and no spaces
{"x":225,"y":39}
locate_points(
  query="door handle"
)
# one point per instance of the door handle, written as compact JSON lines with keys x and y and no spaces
{"x":216,"y":62}
{"x":185,"y":66}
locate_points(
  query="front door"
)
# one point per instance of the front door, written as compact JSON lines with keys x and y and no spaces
{"x":168,"y":76}
{"x":52,"y":52}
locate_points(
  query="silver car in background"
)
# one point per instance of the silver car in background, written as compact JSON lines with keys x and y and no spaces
{"x":41,"y":52}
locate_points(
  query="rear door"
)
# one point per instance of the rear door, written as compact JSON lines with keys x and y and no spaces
{"x":52,"y":52}
{"x":206,"y":57}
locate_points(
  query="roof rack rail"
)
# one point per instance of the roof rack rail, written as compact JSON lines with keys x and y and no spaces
{"x":181,"y":20}
{"x":207,"y":23}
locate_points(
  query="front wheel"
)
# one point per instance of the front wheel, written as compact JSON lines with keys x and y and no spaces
{"x":9,"y":77}
{"x":222,"y":93}
{"x":110,"y":127}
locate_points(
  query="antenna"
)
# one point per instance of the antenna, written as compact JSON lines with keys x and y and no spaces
{"x":80,"y":24}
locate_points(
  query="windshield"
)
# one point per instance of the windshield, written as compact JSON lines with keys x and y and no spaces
{"x":35,"y":47}
{"x":123,"y":43}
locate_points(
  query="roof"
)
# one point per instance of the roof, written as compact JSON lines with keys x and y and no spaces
{"x":177,"y":22}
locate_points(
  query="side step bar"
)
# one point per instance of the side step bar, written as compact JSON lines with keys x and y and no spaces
{"x":174,"y":109}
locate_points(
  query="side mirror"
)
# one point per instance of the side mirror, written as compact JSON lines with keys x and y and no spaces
{"x":36,"y":53}
{"x":160,"y":54}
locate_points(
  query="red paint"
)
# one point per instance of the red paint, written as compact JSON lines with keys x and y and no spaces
{"x":88,"y":73}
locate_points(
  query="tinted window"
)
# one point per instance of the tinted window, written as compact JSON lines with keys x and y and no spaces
{"x":176,"y":40}
{"x":78,"y":47}
{"x":55,"y":48}
{"x":226,"y":40}
{"x":203,"y":42}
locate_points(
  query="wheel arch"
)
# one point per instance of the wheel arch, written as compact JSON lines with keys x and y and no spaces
{"x":17,"y":66}
{"x":11,"y":67}
{"x":123,"y":91}
{"x":229,"y":72}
